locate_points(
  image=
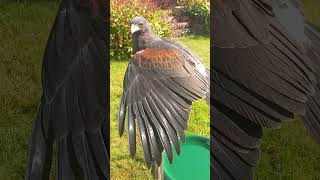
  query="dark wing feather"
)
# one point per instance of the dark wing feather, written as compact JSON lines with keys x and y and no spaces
{"x":72,"y":111}
{"x":311,"y":118}
{"x":261,"y":76}
{"x":159,"y":87}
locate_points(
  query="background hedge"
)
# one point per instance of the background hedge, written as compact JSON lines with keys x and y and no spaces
{"x":122,"y":11}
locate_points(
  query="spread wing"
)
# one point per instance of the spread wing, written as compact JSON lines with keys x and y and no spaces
{"x":261,"y":76}
{"x":159,"y":88}
{"x":72,"y":110}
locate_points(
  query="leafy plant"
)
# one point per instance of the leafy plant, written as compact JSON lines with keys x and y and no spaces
{"x":198,"y":11}
{"x":122,"y":11}
{"x":165,"y":4}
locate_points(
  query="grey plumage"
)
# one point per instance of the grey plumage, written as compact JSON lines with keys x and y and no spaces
{"x":263,"y":73}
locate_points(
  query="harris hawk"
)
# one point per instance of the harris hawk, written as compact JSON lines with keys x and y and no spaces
{"x":162,"y":80}
{"x":72,"y":113}
{"x":265,"y":70}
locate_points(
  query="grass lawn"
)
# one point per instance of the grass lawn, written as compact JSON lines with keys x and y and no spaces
{"x":122,"y":165}
{"x":24,"y":31}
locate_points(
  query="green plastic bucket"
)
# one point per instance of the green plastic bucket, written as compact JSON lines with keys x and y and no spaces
{"x":192,"y":163}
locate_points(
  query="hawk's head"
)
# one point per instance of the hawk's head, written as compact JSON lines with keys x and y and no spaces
{"x":139,"y":25}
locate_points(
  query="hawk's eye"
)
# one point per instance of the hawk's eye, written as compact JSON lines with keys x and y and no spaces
{"x":140,"y":24}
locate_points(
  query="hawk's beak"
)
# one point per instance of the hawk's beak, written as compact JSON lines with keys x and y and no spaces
{"x":134,"y":28}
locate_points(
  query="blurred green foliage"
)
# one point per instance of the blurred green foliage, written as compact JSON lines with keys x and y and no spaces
{"x":199,"y":12}
{"x":122,"y":11}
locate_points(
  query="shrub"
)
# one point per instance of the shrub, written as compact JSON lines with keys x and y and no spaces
{"x":182,"y":2}
{"x":165,"y":4}
{"x":122,"y":11}
{"x":198,"y":11}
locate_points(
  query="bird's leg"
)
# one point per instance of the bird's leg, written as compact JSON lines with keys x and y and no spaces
{"x":157,"y":171}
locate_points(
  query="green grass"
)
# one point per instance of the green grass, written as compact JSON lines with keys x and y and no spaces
{"x":122,"y":165}
{"x":312,"y":11}
{"x":24,"y":30}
